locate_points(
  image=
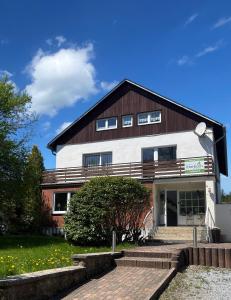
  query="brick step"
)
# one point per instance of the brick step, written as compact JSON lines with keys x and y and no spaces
{"x":175,"y":237}
{"x":180,"y":227}
{"x":151,"y":254}
{"x":179,"y":230}
{"x":145,"y":262}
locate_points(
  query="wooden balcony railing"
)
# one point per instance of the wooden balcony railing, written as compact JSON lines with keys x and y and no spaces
{"x":177,"y":168}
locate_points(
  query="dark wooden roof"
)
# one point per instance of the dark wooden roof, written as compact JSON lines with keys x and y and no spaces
{"x":130,"y":98}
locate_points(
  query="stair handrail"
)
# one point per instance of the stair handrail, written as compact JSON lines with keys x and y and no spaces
{"x":210,"y":223}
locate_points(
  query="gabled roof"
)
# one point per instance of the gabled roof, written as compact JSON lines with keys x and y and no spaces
{"x":52,"y":144}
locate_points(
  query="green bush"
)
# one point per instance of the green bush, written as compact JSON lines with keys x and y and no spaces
{"x":104,"y":204}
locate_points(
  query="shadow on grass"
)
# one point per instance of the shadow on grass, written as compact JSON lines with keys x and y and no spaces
{"x":30,"y":241}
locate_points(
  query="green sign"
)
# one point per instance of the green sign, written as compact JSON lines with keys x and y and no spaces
{"x":196,"y":165}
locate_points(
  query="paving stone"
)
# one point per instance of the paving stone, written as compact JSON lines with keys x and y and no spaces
{"x":125,"y":283}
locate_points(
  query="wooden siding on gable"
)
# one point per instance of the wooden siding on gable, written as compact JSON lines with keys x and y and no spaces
{"x":130,"y":102}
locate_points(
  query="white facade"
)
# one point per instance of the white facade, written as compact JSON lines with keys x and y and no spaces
{"x":128,"y":150}
{"x":188,"y":145}
{"x":223,"y":219}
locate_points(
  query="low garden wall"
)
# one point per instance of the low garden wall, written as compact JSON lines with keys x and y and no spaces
{"x":42,"y":284}
{"x":96,"y":263}
{"x":45,"y":284}
{"x":209,"y":256}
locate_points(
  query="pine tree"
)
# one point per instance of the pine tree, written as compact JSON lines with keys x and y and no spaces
{"x":33,"y":203}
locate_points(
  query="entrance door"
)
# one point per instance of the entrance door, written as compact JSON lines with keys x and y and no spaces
{"x":171,"y":208}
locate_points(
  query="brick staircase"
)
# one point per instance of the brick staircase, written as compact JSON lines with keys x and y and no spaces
{"x":152,"y":259}
{"x":173,"y":234}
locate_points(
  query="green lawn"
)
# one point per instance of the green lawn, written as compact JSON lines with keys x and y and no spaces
{"x":22,"y":254}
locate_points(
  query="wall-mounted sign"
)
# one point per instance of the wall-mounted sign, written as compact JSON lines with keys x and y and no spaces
{"x":196,"y":165}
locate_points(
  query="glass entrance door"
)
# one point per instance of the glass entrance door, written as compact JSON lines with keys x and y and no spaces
{"x":171,"y":197}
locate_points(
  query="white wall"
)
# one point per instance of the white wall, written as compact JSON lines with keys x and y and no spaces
{"x":129,"y":150}
{"x":223,"y":220}
{"x":210,"y":192}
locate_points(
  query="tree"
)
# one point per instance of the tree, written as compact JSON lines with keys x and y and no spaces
{"x":104,"y":204}
{"x":33,"y":217}
{"x":225,"y":198}
{"x":15,"y":121}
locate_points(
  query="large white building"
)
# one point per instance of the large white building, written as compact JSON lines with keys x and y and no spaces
{"x":135,"y":132}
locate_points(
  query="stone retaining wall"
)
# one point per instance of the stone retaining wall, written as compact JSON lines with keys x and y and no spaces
{"x":45,"y":284}
{"x":96,"y":263}
{"x":42,"y":284}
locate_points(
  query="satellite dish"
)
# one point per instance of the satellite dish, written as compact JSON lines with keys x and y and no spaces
{"x":200,"y":129}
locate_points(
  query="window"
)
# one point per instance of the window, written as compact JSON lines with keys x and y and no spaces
{"x":97,"y":159}
{"x":105,"y":124}
{"x":160,"y":154}
{"x":127,"y":121}
{"x":60,"y":202}
{"x":148,"y":155}
{"x":149,"y":118}
{"x":167,"y":153}
{"x":192,"y":203}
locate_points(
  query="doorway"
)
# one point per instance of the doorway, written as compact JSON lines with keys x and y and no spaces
{"x":171,"y":197}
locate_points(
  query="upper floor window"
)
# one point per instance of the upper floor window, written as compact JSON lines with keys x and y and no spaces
{"x":97,"y":159}
{"x":149,"y":118}
{"x":127,"y":121}
{"x":105,"y":124}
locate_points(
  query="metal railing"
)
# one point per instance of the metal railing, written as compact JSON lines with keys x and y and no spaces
{"x":139,"y":170}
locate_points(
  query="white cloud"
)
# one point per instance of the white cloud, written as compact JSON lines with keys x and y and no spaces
{"x":61,"y":79}
{"x":3,"y":42}
{"x":107,"y":86}
{"x":62,"y":127}
{"x":46,"y":125}
{"x":5,"y":73}
{"x":210,"y":49}
{"x":60,"y":40}
{"x":57,"y":41}
{"x":221,"y":22}
{"x":184,"y":60}
{"x":191,"y":19}
{"x":49,"y":42}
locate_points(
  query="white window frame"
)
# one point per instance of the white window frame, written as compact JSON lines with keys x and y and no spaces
{"x":100,"y":157}
{"x":107,"y":127}
{"x":155,"y":151}
{"x":61,"y":212}
{"x":131,"y":121}
{"x":149,"y":118}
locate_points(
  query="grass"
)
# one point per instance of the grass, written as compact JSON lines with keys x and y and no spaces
{"x":22,"y":254}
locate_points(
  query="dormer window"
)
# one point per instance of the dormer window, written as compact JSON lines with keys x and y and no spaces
{"x":106,"y":124}
{"x":149,"y":118}
{"x":127,"y":121}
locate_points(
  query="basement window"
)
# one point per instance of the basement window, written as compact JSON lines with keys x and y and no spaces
{"x":106,"y":124}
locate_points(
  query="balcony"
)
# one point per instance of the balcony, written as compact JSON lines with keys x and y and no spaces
{"x":184,"y":167}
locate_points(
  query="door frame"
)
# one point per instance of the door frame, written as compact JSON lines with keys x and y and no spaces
{"x":165,"y":205}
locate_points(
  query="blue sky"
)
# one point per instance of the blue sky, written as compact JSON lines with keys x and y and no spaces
{"x":68,"y":54}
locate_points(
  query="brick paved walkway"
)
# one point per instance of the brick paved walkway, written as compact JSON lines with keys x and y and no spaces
{"x":122,"y":283}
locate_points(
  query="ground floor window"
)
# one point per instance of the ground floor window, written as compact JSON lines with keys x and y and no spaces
{"x":192,"y":203}
{"x":61,"y":201}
